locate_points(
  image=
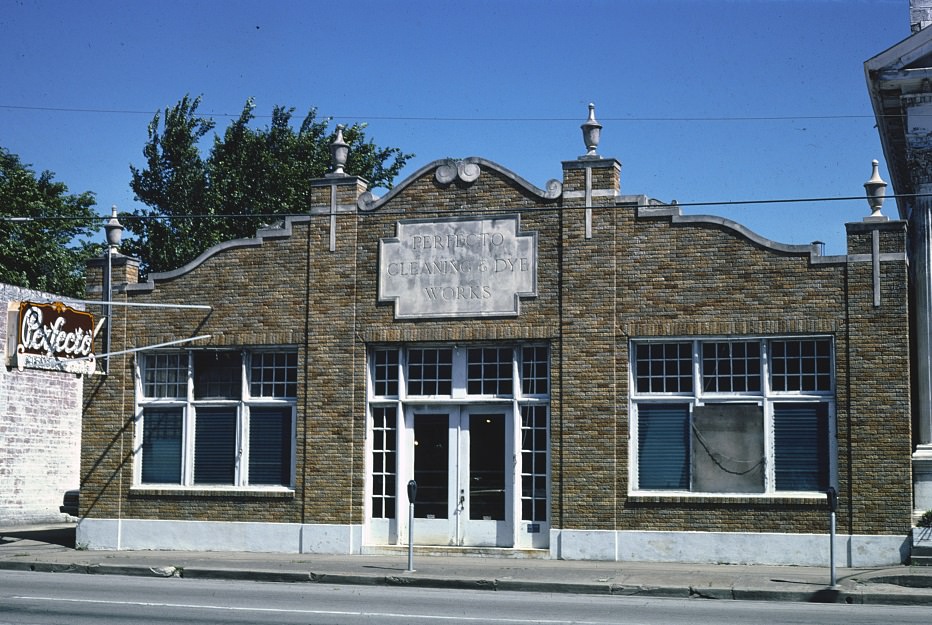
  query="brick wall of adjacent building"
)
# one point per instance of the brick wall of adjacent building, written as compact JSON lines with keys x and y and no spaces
{"x":641,"y":274}
{"x":40,"y":431}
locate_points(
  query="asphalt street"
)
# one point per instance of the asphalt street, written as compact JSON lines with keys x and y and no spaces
{"x":51,"y":549}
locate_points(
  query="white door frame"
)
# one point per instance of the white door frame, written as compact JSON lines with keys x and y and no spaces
{"x":449,"y":522}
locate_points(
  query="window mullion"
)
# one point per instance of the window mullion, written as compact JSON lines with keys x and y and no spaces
{"x":697,"y":370}
{"x":187,"y":473}
{"x":458,"y":390}
{"x":402,"y":374}
{"x":770,"y":447}
{"x":241,"y":477}
{"x":241,"y":465}
{"x":769,"y":440}
{"x":517,"y":362}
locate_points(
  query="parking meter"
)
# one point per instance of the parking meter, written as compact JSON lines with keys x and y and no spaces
{"x":412,"y":495}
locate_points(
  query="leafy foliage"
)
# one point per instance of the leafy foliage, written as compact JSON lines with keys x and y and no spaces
{"x":248,"y":175}
{"x":39,"y":246}
{"x":925,"y":520}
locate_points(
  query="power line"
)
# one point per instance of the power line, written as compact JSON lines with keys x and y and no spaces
{"x":435,"y":118}
{"x":278,"y":216}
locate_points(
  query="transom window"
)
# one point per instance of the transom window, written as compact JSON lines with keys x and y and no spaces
{"x":664,"y":367}
{"x":479,"y":371}
{"x":489,"y":370}
{"x":731,"y":367}
{"x":801,"y":365}
{"x":760,"y":422}
{"x":217,"y":418}
{"x":166,"y":376}
{"x":430,"y":371}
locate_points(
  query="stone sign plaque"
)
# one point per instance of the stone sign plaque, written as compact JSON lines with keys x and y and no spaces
{"x":461,"y":267}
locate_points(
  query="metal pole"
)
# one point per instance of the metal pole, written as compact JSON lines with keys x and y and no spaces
{"x":108,"y":309}
{"x":834,"y":578}
{"x":411,"y":537}
{"x":832,"y":496}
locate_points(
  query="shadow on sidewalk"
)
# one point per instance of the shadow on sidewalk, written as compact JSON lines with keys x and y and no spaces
{"x":64,"y":536}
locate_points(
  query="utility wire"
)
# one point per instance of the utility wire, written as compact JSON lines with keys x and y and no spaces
{"x":434,"y":118}
{"x":657,"y":204}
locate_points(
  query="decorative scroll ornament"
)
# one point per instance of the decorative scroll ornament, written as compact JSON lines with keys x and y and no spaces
{"x":554,"y":189}
{"x":451,"y":170}
{"x":366,"y":201}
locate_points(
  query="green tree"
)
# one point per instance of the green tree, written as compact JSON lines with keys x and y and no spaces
{"x":40,"y":226}
{"x":248,"y":174}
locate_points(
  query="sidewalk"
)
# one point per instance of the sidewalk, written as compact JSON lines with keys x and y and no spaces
{"x":47,"y":548}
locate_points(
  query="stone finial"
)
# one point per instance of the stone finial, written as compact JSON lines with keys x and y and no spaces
{"x":876,"y":191}
{"x":114,"y":230}
{"x":592,"y":133}
{"x":339,"y":150}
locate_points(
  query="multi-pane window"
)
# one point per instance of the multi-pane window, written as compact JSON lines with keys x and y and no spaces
{"x":166,"y":375}
{"x":534,"y":463}
{"x":273,"y":374}
{"x":384,"y":453}
{"x":217,"y":417}
{"x":430,"y":371}
{"x":535,"y":370}
{"x":731,"y":367}
{"x":801,"y":365}
{"x":513,"y":375}
{"x":759,"y":423}
{"x":489,"y":370}
{"x":218,"y":374}
{"x":664,"y":367}
{"x":385,"y":372}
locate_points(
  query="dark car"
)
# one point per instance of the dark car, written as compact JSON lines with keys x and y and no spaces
{"x":69,"y":503}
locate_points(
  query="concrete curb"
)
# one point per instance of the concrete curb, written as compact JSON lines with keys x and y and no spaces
{"x":860,"y":594}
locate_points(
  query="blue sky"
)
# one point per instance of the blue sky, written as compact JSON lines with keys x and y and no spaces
{"x":701,"y":100}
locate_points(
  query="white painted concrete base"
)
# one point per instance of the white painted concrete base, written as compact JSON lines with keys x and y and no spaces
{"x":729,"y":548}
{"x":922,"y":480}
{"x":130,"y":534}
{"x":695,"y":547}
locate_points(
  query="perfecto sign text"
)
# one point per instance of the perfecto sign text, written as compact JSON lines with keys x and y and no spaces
{"x":458,"y":267}
{"x":55,"y":337}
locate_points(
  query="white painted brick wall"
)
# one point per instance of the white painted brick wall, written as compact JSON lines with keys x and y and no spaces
{"x":40,"y":432}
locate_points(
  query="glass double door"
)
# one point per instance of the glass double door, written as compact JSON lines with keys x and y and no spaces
{"x":463,"y":463}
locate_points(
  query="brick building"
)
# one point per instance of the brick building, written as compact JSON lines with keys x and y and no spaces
{"x":40,"y":427}
{"x":569,"y":372}
{"x":898,"y":84}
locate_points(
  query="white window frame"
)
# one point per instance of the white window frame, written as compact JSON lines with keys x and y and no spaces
{"x":766,"y":399}
{"x":243,"y":405}
{"x":458,"y":396}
